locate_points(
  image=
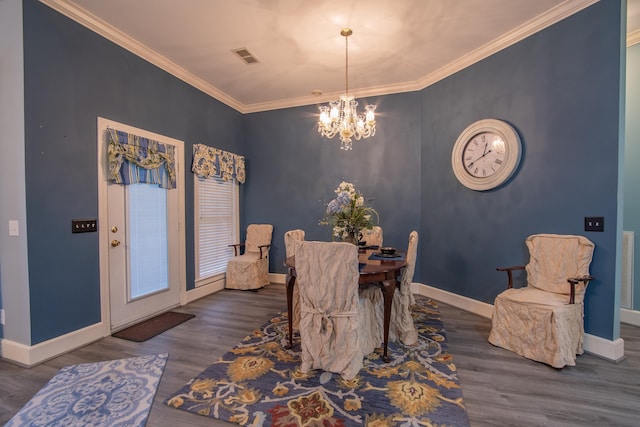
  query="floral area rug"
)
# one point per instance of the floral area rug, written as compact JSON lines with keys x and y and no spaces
{"x":258,"y":383}
{"x":116,"y":393}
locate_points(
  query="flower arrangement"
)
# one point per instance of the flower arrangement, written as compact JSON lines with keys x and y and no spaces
{"x":347,"y":213}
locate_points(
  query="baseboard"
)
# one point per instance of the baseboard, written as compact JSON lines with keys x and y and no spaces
{"x":474,"y":306}
{"x":29,"y":356}
{"x":601,"y":347}
{"x":277,"y":278}
{"x":631,"y":317}
{"x":204,"y":290}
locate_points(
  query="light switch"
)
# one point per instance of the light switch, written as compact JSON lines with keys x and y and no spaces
{"x":14,"y":230}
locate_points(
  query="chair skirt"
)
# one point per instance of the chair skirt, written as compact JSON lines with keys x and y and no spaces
{"x":552,"y":334}
{"x":247,"y":272}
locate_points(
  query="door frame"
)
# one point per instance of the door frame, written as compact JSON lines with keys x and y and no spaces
{"x":103,"y":224}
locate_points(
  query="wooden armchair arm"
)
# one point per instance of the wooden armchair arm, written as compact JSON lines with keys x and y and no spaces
{"x":509,"y":271}
{"x":262,"y":247}
{"x":574,"y":281}
{"x":236,"y":248}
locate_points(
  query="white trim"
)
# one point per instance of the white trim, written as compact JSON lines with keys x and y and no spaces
{"x":103,"y":226}
{"x":204,"y":290}
{"x":93,"y":23}
{"x":633,"y":38}
{"x":607,"y":349}
{"x":632,"y":317}
{"x":32,"y":355}
{"x":474,"y":306}
{"x":278,"y":278}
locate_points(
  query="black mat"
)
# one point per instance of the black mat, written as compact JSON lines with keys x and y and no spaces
{"x":156,"y":325}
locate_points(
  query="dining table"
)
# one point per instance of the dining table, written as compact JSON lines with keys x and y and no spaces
{"x":375,"y":269}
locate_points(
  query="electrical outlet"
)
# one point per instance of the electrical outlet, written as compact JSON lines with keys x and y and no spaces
{"x":84,"y":225}
{"x":2,"y":316}
{"x":593,"y":223}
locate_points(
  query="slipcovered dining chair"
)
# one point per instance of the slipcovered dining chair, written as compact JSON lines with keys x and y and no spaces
{"x":251,"y":269}
{"x":401,"y":327}
{"x":372,"y":237}
{"x":290,"y":237}
{"x":333,"y":337}
{"x":543,"y":321}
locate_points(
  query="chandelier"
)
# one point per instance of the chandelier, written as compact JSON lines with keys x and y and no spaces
{"x":341,"y":117}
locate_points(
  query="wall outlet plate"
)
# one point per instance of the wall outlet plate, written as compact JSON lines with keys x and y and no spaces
{"x":593,"y":223}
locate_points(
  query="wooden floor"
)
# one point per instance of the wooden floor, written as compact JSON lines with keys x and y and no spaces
{"x":500,"y":388}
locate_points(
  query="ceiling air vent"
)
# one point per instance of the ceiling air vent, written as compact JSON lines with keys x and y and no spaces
{"x":246,"y":56}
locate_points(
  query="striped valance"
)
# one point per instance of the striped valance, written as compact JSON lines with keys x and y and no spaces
{"x":209,"y":162}
{"x":134,"y":159}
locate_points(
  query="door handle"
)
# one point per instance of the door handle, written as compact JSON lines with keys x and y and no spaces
{"x":115,"y":243}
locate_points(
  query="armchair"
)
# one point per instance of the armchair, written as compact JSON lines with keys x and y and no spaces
{"x":543,"y":321}
{"x":251,"y":269}
{"x":372,"y":237}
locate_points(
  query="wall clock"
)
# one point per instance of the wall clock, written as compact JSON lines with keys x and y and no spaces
{"x":486,"y":154}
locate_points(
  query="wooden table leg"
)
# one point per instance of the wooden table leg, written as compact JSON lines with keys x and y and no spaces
{"x":291,"y":280}
{"x":388,"y":289}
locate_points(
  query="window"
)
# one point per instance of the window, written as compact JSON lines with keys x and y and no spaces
{"x":216,"y":227}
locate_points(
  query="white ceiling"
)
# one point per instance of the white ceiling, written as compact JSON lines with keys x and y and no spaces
{"x":396,"y":46}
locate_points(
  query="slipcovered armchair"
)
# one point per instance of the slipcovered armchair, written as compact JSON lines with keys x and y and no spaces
{"x":290,"y":237}
{"x":372,"y":237}
{"x":335,"y":334}
{"x":251,"y":269}
{"x":543,"y":321}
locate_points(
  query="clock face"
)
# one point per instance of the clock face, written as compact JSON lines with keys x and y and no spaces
{"x":483,"y":155}
{"x":486,"y":154}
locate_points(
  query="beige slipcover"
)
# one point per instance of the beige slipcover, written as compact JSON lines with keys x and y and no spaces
{"x":290,"y":237}
{"x":401,"y":326}
{"x":372,"y":237}
{"x":537,"y":321}
{"x":251,"y":269}
{"x":333,"y":337}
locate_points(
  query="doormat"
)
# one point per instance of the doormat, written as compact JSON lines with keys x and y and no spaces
{"x":156,"y":325}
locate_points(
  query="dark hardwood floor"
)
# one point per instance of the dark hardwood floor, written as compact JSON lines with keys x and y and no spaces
{"x":500,"y":388}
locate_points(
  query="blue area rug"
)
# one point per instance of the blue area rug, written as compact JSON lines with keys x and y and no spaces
{"x":110,"y":394}
{"x":258,"y":383}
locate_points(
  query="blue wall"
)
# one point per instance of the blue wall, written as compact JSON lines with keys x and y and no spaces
{"x":72,"y":76}
{"x":632,"y":154}
{"x":553,"y":87}
{"x":303,"y":170}
{"x":559,"y":88}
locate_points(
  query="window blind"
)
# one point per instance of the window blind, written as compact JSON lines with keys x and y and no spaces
{"x":216,"y":218}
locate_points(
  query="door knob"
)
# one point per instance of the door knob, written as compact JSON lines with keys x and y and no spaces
{"x":114,"y":229}
{"x":115,"y":243}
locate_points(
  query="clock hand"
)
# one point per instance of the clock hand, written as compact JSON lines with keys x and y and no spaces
{"x":472,"y":163}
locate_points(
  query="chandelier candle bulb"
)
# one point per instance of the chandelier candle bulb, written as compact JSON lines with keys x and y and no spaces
{"x":341,"y":116}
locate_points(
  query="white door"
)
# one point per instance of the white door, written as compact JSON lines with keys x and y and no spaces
{"x":144,"y":228}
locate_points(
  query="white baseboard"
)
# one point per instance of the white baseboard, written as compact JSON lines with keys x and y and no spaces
{"x":204,"y":290}
{"x":29,"y":356}
{"x":631,"y":317}
{"x":277,"y":278}
{"x":601,"y":347}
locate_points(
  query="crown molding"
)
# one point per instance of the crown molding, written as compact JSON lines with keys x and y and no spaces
{"x":546,"y":19}
{"x":95,"y":24}
{"x":633,"y":38}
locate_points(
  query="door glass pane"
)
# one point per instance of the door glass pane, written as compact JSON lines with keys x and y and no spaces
{"x":147,"y":212}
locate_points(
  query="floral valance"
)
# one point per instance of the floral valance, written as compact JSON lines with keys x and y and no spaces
{"x":209,"y":162}
{"x":134,"y":159}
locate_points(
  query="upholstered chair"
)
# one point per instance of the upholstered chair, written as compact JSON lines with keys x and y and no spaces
{"x":332,"y":336}
{"x":290,"y":237}
{"x":372,"y":237}
{"x":250,"y":270}
{"x":543,"y":321}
